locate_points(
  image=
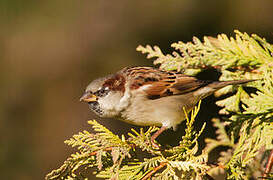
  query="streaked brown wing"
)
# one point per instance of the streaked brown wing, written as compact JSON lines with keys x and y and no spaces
{"x":162,"y":83}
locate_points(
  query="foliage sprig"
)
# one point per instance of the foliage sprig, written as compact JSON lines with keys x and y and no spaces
{"x":247,"y":132}
{"x":115,"y":157}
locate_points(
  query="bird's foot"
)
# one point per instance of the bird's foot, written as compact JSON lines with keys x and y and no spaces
{"x":155,"y":145}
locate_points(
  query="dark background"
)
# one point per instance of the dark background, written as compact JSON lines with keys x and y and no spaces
{"x":50,"y":50}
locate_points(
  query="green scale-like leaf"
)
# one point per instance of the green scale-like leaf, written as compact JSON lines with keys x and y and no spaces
{"x":247,"y":130}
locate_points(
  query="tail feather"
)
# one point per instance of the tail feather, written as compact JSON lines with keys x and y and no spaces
{"x":214,"y":86}
{"x":220,"y":84}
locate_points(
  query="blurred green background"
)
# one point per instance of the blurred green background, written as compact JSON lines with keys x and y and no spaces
{"x":50,"y":50}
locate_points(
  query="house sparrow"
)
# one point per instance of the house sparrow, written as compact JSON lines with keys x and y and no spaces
{"x":147,"y":96}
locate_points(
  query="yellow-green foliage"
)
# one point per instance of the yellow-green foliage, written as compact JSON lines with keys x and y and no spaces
{"x":116,"y":157}
{"x":248,"y":132}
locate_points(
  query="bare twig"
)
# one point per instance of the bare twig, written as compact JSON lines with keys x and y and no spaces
{"x":108,"y":149}
{"x":95,"y":152}
{"x":269,"y":164}
{"x":162,"y":164}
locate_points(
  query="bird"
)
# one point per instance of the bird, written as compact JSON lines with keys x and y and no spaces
{"x":148,"y":96}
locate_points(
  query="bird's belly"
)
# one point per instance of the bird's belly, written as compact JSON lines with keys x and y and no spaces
{"x":140,"y":116}
{"x":160,"y":112}
{"x":141,"y":122}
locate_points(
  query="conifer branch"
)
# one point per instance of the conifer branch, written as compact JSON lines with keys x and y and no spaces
{"x":247,"y":132}
{"x":116,"y":157}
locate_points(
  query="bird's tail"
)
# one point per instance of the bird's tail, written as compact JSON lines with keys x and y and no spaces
{"x":214,"y":86}
{"x":220,"y":84}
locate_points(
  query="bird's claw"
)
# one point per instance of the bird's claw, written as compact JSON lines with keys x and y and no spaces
{"x":155,"y":145}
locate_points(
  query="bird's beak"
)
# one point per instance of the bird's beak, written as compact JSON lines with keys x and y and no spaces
{"x":88,"y":97}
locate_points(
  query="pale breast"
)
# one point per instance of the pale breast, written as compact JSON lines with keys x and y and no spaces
{"x":166,"y":111}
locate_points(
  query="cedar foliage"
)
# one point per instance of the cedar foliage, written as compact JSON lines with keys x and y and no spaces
{"x":247,"y":132}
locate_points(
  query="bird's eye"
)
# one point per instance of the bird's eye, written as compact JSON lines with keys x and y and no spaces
{"x":102,"y":92}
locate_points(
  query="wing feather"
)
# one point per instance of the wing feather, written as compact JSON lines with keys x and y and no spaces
{"x":162,"y":83}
